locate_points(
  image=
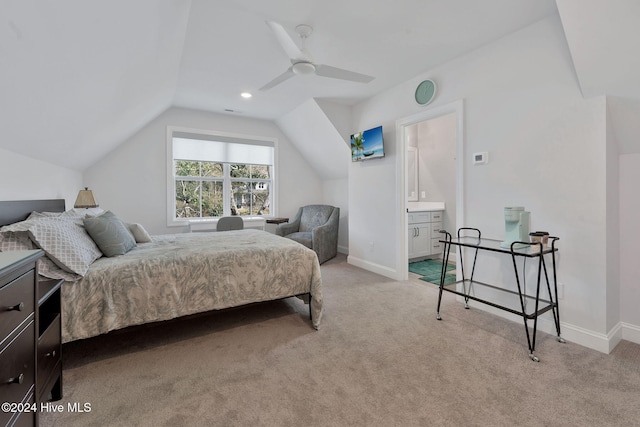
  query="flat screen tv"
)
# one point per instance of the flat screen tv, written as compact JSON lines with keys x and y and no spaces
{"x":367,"y":145}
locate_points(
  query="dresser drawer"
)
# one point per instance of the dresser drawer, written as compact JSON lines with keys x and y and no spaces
{"x":436,"y":246}
{"x":436,"y":216}
{"x":435,"y":230}
{"x":417,"y":217}
{"x":16,"y":302}
{"x":17,"y":362}
{"x":26,"y":419}
{"x":22,"y":419}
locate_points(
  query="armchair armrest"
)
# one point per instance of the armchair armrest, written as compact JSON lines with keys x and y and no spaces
{"x":287,"y":228}
{"x":325,"y":237}
{"x":290,"y":227}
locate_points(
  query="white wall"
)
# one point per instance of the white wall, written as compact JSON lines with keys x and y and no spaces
{"x":335,"y":193}
{"x":547,"y":148}
{"x":317,"y":139}
{"x":629,"y":233}
{"x":25,"y":178}
{"x":131,"y":180}
{"x":612,"y":231}
{"x":437,"y":164}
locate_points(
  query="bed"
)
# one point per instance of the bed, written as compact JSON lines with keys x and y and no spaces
{"x":177,"y":275}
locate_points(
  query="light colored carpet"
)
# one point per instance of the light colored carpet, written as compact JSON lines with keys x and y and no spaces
{"x":380,"y":358}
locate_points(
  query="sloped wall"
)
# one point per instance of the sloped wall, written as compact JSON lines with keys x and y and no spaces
{"x":317,"y":128}
{"x":25,"y":178}
{"x":131,"y":180}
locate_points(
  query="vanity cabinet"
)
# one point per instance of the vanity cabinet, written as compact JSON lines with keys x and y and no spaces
{"x":423,"y":233}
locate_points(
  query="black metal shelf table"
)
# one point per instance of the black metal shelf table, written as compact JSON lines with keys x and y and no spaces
{"x":521,"y":304}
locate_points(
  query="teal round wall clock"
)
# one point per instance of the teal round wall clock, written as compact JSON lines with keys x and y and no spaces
{"x":425,"y":92}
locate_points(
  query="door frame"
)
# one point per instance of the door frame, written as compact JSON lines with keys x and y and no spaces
{"x":456,"y":107}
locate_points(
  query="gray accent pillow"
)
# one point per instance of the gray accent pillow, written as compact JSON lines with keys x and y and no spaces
{"x":110,"y":234}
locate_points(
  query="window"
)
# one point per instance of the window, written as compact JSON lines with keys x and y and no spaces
{"x":199,"y":189}
{"x":213,"y":175}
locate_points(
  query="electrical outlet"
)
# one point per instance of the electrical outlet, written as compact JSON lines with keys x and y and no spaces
{"x":560,"y":290}
{"x":371,"y":246}
{"x":423,"y":194}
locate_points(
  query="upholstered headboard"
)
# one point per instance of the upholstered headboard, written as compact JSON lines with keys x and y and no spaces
{"x":18,"y":210}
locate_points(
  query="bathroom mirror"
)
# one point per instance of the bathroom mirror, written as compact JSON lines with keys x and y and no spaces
{"x":412,"y":174}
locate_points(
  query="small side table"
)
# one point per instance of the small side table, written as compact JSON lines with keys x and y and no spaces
{"x":273,"y":223}
{"x":277,"y":220}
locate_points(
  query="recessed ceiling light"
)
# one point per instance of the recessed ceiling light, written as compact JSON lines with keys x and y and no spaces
{"x":246,"y":95}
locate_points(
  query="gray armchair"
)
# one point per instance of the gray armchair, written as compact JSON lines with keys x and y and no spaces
{"x":316,"y":227}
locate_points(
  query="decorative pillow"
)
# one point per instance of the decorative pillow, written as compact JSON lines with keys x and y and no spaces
{"x":110,"y":234}
{"x":18,"y":226}
{"x":49,"y":269}
{"x":20,"y":241}
{"x":66,"y":243}
{"x":15,"y":241}
{"x":36,"y":215}
{"x":139,"y":233}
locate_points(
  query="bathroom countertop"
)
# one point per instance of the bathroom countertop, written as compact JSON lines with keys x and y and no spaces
{"x":425,"y":206}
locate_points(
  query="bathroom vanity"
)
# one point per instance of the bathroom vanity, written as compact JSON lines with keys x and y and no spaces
{"x":424,"y":220}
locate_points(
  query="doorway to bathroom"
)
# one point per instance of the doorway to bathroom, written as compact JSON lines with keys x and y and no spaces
{"x":431,"y":144}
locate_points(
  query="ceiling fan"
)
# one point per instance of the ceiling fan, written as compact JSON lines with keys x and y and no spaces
{"x":302,"y":62}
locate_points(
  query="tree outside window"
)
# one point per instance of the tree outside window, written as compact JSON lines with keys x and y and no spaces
{"x":200,"y":189}
{"x":249,"y":189}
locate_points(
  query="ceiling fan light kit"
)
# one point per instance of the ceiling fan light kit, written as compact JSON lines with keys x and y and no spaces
{"x":302,"y":62}
{"x":303,"y":68}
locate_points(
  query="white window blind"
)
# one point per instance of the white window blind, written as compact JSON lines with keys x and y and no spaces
{"x":223,"y":152}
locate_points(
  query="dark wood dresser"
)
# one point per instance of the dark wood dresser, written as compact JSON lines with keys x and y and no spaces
{"x":30,"y":340}
{"x":18,"y":305}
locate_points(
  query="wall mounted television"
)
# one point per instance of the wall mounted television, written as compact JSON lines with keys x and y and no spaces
{"x":367,"y":144}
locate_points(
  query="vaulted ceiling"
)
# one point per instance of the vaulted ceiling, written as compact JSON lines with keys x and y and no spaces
{"x":78,"y":78}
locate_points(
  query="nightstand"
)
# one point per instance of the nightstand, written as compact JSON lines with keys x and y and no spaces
{"x":49,"y":376}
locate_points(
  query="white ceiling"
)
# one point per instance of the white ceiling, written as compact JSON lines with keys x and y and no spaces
{"x":230,"y":49}
{"x":78,"y":78}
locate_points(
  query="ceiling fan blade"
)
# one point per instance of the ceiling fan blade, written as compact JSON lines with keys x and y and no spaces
{"x":339,"y":73}
{"x":287,"y":43}
{"x":282,"y":77}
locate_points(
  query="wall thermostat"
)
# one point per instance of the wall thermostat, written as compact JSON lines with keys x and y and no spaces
{"x":481,"y":158}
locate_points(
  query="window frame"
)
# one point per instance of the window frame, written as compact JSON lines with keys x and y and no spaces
{"x":204,"y":134}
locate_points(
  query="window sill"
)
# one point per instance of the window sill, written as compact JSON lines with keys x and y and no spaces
{"x":209,"y":224}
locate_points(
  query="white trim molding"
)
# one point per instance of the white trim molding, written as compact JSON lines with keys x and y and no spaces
{"x":604,"y":343}
{"x":373,"y":267}
{"x":457,"y":107}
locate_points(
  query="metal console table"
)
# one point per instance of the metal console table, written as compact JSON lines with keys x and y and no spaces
{"x":517,"y":249}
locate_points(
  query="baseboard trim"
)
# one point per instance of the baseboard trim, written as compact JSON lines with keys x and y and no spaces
{"x":630,"y":332}
{"x":373,"y":267}
{"x":603,"y":343}
{"x":343,"y":250}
